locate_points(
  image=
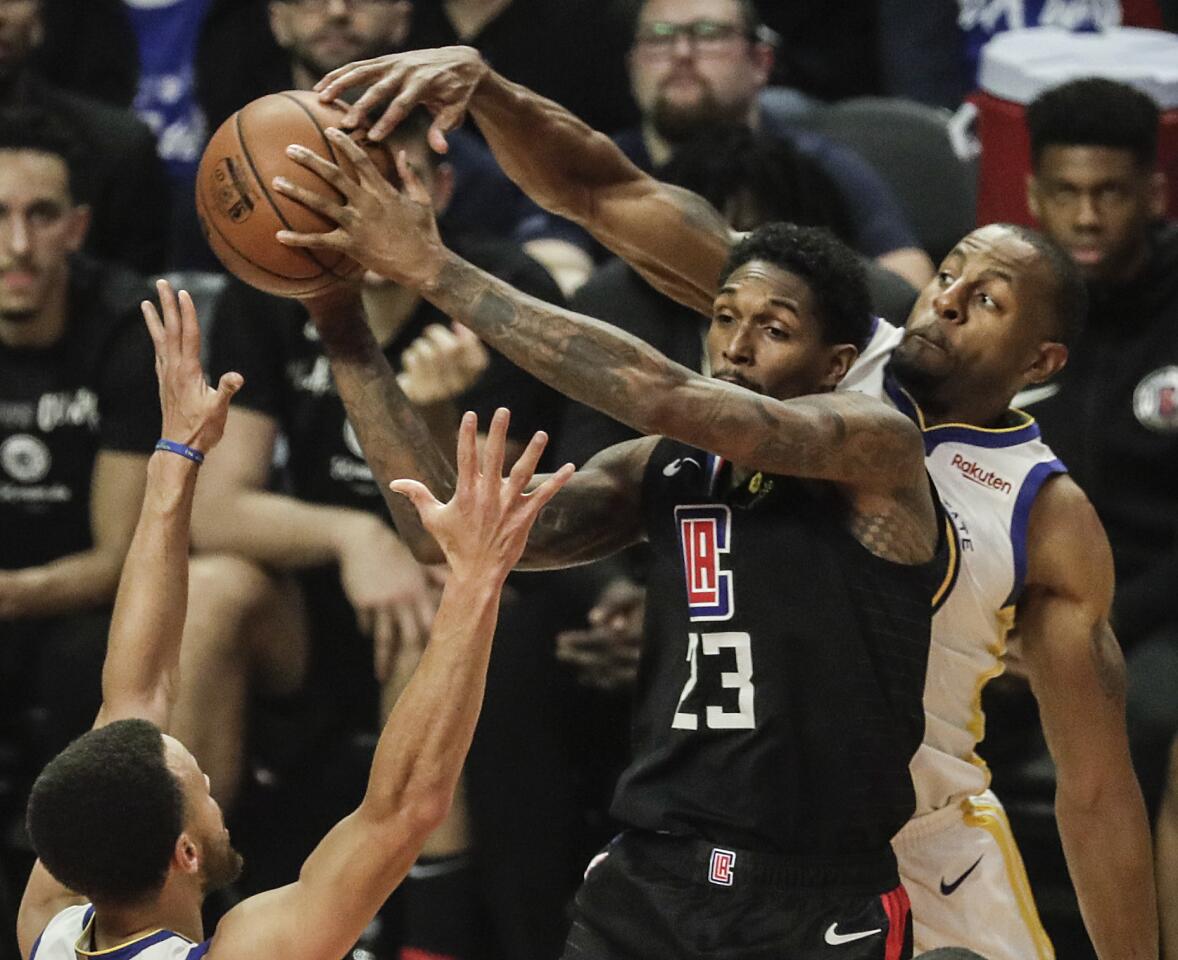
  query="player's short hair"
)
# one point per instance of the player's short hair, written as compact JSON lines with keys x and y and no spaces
{"x":1095,"y":112}
{"x":1070,"y":303}
{"x":780,"y":181}
{"x":830,"y":268}
{"x":105,"y":813}
{"x":29,"y":128}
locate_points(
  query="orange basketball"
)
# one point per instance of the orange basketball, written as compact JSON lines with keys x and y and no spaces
{"x":239,"y":209}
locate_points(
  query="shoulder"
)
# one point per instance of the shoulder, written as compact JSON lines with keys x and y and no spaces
{"x":1067,"y":548}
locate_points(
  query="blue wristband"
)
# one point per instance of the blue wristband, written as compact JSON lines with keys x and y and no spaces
{"x":173,"y":447}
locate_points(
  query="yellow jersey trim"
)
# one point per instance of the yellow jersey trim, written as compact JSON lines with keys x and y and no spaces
{"x":992,"y":819}
{"x":951,"y":568}
{"x":1027,"y":420}
{"x":87,"y":931}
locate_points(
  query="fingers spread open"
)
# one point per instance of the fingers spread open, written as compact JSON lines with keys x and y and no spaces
{"x":155,"y":326}
{"x":539,"y":497}
{"x":417,"y":493}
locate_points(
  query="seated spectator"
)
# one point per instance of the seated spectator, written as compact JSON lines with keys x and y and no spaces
{"x":120,"y":177}
{"x":325,"y":544}
{"x":698,"y":66}
{"x":78,"y":418}
{"x":1113,"y":416}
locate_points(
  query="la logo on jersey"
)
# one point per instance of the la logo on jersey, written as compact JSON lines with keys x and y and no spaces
{"x":705,"y":535}
{"x":720,"y":868}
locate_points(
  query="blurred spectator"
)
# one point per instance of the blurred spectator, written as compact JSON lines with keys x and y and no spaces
{"x":930,"y":50}
{"x":116,"y":173}
{"x":79,"y":416}
{"x":1113,"y":415}
{"x":317,"y":36}
{"x":571,"y":51}
{"x":697,"y":66}
{"x":328,"y":539}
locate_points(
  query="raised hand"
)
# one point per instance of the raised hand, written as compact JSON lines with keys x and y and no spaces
{"x":441,"y":80}
{"x":193,"y":413}
{"x":441,"y":364}
{"x":391,"y":232}
{"x":484,"y":527}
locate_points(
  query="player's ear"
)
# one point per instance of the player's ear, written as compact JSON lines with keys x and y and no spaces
{"x":1049,"y":360}
{"x":842,"y":356}
{"x":1033,"y":201}
{"x":186,"y":854}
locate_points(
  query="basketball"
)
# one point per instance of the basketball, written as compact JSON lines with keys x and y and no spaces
{"x":240,"y":211}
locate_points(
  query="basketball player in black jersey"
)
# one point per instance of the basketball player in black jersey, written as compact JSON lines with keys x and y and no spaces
{"x":798,"y":551}
{"x":987,"y":312}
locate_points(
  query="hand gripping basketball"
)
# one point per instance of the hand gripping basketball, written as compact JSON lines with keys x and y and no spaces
{"x":441,"y":80}
{"x":485,"y":526}
{"x":391,"y":232}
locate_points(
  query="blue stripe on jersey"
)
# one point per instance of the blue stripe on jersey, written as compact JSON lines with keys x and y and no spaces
{"x":199,"y":950}
{"x":1020,"y":518}
{"x":36,"y":943}
{"x":958,"y":432}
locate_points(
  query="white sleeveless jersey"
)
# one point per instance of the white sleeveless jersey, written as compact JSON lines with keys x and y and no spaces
{"x":987,"y":481}
{"x":68,"y":937}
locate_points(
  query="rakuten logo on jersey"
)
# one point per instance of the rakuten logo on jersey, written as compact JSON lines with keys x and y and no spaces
{"x":976,"y":473}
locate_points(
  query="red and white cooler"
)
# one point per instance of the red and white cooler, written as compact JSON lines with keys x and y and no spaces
{"x":1018,"y":65}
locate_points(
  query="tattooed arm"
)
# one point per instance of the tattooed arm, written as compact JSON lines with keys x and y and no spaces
{"x":1078,"y":677}
{"x":594,"y":515}
{"x":674,"y":238}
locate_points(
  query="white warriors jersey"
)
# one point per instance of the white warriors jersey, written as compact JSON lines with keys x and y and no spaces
{"x":69,"y":936}
{"x":987,"y":480}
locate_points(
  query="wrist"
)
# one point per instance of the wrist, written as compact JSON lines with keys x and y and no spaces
{"x":434,"y":266}
{"x":175,"y":447}
{"x":352,"y":527}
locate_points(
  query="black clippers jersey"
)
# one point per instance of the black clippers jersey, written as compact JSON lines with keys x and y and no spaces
{"x":779,"y":697}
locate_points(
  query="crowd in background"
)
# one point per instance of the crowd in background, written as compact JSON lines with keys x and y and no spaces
{"x":306,"y":612}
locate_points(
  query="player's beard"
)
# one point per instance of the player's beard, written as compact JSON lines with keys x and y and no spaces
{"x":923,"y":384}
{"x":222,"y":865}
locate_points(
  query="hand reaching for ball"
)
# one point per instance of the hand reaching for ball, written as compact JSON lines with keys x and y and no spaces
{"x":390,"y":231}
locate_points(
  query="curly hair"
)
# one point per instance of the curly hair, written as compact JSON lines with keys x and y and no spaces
{"x":105,"y":813}
{"x":1095,"y":112}
{"x":833,"y":272}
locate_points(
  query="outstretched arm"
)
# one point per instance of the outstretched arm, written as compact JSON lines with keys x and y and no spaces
{"x":482,"y":531}
{"x":596,"y":513}
{"x":143,"y":653}
{"x":676,"y":239}
{"x":1078,"y":676}
{"x":848,"y":439}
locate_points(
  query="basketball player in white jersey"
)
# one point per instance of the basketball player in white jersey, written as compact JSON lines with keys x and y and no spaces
{"x":128,"y":838}
{"x":1033,"y":552}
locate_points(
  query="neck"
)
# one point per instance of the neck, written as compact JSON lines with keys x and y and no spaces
{"x":302,"y":76}
{"x":114,"y":926}
{"x":970,"y":411}
{"x":468,"y":17}
{"x":388,"y":308}
{"x":42,"y":330}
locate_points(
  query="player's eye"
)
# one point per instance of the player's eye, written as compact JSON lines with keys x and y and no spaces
{"x":944,"y":278}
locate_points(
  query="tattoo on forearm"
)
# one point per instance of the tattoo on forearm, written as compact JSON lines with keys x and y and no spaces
{"x":1108,"y":661}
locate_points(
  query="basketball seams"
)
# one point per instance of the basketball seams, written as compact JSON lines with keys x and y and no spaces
{"x":202,"y":208}
{"x":334,"y":159}
{"x":265,"y":189}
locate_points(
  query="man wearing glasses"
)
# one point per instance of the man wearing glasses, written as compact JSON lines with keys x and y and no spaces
{"x":699,"y":65}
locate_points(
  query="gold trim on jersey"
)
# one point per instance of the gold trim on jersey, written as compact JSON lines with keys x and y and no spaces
{"x":992,"y":818}
{"x":977,"y":721}
{"x":925,"y":428}
{"x":951,"y":568}
{"x":87,"y":932}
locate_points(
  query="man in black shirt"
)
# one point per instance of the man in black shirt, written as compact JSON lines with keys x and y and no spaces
{"x":78,"y":417}
{"x":120,"y":177}
{"x":1113,"y":416}
{"x":813,"y":549}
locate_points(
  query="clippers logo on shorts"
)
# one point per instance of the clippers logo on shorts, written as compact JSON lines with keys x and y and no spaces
{"x":704,"y":533}
{"x":720,"y":869}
